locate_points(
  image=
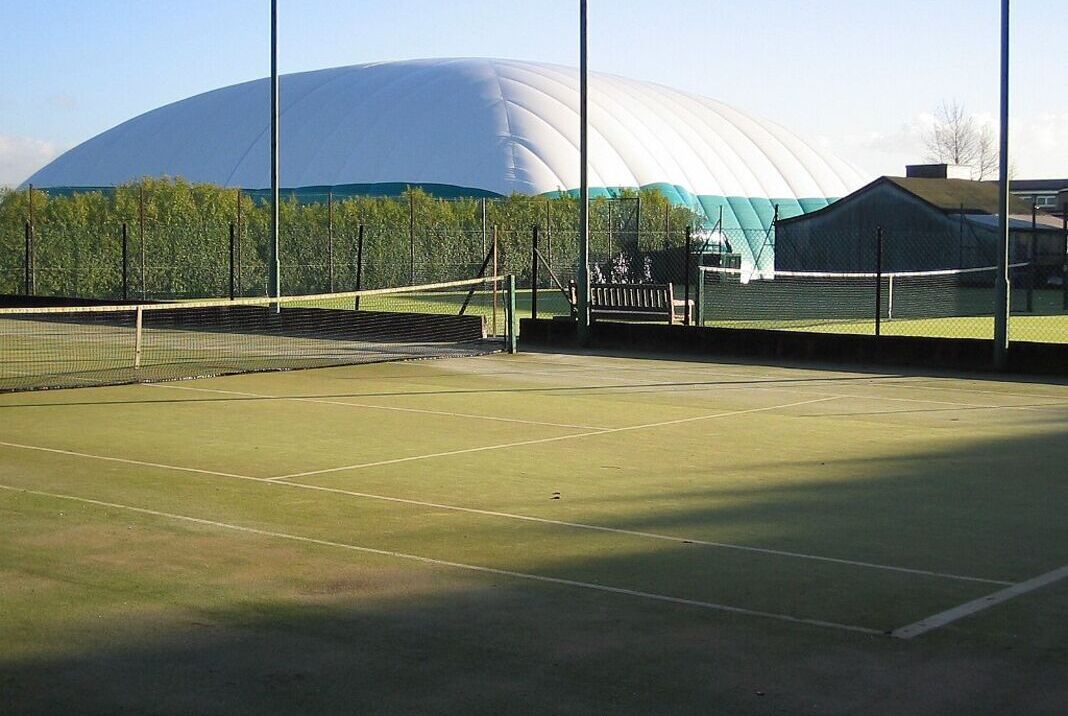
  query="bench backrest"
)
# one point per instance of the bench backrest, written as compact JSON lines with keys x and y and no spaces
{"x":651,"y":297}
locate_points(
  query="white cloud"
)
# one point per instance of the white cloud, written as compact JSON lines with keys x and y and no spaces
{"x":22,"y":156}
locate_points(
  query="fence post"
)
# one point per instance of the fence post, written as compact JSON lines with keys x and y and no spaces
{"x":549,"y":232}
{"x":330,"y":239}
{"x":27,"y":262}
{"x":484,"y":246}
{"x":31,"y":278}
{"x":1064,"y":272}
{"x":699,"y":301}
{"x":686,"y":269}
{"x":513,"y":319}
{"x":359,"y":265}
{"x":878,"y":281}
{"x":233,"y":252}
{"x":534,"y":273}
{"x":237,"y":252}
{"x":141,"y":235}
{"x":411,"y":237}
{"x":494,"y":324}
{"x":125,"y":263}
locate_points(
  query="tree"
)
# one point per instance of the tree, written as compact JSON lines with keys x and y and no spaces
{"x":956,"y":138}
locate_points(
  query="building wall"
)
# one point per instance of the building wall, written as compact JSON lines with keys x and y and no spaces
{"x":916,"y":237}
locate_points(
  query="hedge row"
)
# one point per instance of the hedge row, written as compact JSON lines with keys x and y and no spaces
{"x":178,"y":243}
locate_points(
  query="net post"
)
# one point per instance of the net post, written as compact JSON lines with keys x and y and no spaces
{"x":137,"y":338}
{"x":686,"y":269}
{"x":513,"y":318}
{"x":359,"y":265}
{"x":878,"y":281}
{"x":125,"y":263}
{"x":233,"y":247}
{"x":534,"y":272}
{"x":494,"y":250}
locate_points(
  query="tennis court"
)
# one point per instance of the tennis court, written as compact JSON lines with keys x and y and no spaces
{"x":537,"y":533}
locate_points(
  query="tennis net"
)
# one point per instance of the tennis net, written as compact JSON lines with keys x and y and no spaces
{"x":799,"y":299}
{"x":57,"y":347}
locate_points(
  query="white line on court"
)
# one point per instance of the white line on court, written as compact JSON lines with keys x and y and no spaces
{"x":127,"y":461}
{"x":767,"y":382}
{"x":771,"y":382}
{"x":593,"y":586}
{"x":977,"y":605}
{"x":557,"y":438}
{"x":347,"y":404}
{"x":525,"y":518}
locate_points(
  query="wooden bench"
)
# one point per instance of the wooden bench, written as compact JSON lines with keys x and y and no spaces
{"x":635,"y":302}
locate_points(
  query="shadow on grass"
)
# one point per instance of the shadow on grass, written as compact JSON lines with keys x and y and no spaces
{"x":490,"y":645}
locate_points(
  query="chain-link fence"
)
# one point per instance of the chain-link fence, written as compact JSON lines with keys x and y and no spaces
{"x":894,"y":282}
{"x":165,"y":240}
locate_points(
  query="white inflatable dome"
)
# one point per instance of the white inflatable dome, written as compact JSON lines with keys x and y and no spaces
{"x":476,"y":126}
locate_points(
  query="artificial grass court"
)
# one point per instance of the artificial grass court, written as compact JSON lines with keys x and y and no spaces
{"x":536,"y":533}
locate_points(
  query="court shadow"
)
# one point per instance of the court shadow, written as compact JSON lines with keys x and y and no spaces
{"x":492,"y":644}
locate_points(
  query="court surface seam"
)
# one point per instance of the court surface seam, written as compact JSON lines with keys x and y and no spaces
{"x":975,"y":606}
{"x":555,"y":438}
{"x":525,"y":518}
{"x":593,"y":586}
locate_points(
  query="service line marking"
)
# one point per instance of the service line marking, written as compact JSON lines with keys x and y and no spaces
{"x":593,"y":586}
{"x":524,"y":518}
{"x":941,"y":619}
{"x":473,"y":416}
{"x":557,"y":438}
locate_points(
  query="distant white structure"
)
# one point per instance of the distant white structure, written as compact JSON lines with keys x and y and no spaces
{"x":474,"y":126}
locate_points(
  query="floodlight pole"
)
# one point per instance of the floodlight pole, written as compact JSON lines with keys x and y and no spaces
{"x":1001,"y":286}
{"x":582,"y":300}
{"x":274,"y":280}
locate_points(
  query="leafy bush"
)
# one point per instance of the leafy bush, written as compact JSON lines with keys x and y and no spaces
{"x":178,"y":245}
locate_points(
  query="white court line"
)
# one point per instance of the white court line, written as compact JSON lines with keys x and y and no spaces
{"x":593,"y":586}
{"x":767,"y":382}
{"x":539,"y":441}
{"x":977,"y":605}
{"x":770,"y":383}
{"x":525,"y":518}
{"x":473,"y":416}
{"x":127,"y":461}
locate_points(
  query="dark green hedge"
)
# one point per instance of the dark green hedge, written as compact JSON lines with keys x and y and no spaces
{"x":181,"y":232}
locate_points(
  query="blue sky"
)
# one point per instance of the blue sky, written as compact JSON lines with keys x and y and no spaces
{"x":859,"y":77}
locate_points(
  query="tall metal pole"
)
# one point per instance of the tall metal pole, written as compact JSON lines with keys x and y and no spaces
{"x":274,"y":280}
{"x":1001,"y":286}
{"x":583,"y":299}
